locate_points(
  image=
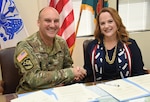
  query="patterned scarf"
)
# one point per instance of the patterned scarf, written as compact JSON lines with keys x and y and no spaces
{"x":123,"y":56}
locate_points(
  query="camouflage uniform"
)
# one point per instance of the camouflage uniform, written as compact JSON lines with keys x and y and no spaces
{"x":43,"y":66}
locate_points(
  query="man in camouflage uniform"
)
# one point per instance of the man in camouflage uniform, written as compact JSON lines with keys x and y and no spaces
{"x":44,"y":58}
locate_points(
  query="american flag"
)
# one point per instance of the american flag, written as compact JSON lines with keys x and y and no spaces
{"x":67,"y":26}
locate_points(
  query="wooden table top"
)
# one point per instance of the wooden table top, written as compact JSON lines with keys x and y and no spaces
{"x":7,"y":97}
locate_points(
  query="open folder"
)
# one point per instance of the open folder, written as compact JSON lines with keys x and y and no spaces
{"x":128,"y":88}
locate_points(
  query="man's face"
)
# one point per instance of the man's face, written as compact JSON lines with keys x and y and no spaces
{"x":48,"y":23}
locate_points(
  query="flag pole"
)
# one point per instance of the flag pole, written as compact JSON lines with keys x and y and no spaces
{"x":77,"y":27}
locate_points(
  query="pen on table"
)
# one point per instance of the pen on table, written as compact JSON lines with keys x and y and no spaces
{"x":111,"y":84}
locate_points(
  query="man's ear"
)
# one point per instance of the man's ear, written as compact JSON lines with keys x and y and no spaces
{"x":38,"y":22}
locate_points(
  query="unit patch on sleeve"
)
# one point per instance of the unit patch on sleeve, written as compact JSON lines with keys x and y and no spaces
{"x":22,"y":55}
{"x":27,"y":64}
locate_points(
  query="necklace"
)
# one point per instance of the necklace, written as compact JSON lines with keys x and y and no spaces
{"x":113,"y":57}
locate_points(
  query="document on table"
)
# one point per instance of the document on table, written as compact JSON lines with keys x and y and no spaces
{"x":123,"y":90}
{"x":38,"y":96}
{"x":70,"y":93}
{"x":75,"y":93}
{"x":142,"y":81}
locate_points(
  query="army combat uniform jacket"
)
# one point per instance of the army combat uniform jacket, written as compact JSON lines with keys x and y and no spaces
{"x":42,"y":66}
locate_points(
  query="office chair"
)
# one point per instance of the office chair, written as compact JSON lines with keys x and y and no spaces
{"x":10,"y":75}
{"x":85,"y":43}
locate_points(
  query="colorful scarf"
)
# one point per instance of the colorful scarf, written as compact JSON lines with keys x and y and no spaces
{"x":123,"y":56}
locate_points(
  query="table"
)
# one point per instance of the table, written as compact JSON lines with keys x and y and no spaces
{"x":105,"y":98}
{"x":7,"y":97}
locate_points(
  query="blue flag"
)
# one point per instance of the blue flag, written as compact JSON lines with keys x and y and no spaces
{"x":12,"y":29}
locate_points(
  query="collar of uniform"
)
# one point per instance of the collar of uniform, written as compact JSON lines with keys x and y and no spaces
{"x":55,"y":48}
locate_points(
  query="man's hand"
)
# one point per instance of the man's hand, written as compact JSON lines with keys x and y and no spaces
{"x":79,"y":73}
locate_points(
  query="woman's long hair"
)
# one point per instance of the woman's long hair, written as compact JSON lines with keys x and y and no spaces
{"x":122,"y":34}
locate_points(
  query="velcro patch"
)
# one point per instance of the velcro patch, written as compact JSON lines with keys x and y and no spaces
{"x":22,"y":55}
{"x":27,"y":64}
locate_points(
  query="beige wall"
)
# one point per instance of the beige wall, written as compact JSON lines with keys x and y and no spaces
{"x":29,"y":11}
{"x":143,"y":40}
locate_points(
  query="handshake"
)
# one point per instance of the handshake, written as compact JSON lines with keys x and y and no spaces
{"x":79,"y":73}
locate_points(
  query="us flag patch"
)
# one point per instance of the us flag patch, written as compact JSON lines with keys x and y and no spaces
{"x":22,"y":55}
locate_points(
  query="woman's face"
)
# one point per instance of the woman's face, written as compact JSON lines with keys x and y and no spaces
{"x":107,"y":25}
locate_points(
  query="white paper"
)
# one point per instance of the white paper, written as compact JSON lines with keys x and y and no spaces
{"x":38,"y":96}
{"x":142,"y":80}
{"x":122,"y":90}
{"x":75,"y":93}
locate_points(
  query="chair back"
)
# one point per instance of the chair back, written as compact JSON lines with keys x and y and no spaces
{"x":10,"y":75}
{"x":85,"y":44}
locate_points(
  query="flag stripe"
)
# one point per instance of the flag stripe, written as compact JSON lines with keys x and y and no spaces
{"x":60,"y":5}
{"x":65,"y":12}
{"x":67,"y":21}
{"x":71,"y":40}
{"x":68,"y":31}
{"x":67,"y":27}
{"x":52,"y":3}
